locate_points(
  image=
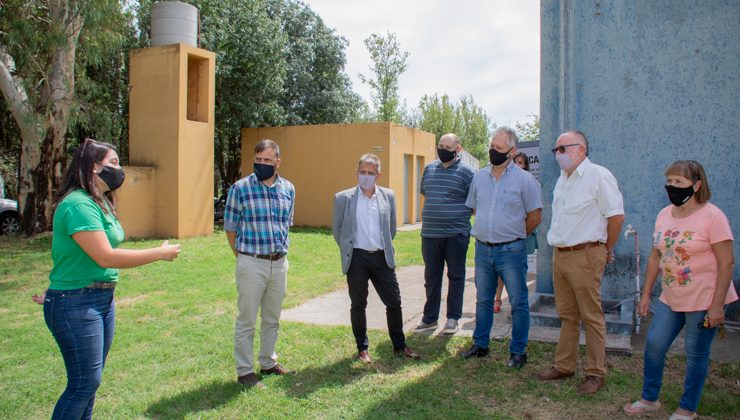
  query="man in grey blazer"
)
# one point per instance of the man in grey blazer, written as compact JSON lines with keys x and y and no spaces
{"x":364,"y":225}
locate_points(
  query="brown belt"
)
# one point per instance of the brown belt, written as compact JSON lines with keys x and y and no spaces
{"x":102,"y":285}
{"x":579,"y":246}
{"x":272,"y":257}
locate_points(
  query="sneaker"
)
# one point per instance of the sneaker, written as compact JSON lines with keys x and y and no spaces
{"x":423,"y":326}
{"x":450,"y":327}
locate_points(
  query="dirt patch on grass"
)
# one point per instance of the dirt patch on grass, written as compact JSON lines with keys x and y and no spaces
{"x":129,"y":302}
{"x":144,"y":319}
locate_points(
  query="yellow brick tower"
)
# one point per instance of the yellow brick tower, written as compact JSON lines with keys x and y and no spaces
{"x":169,"y":185}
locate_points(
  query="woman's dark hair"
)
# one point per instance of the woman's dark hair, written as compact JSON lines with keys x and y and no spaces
{"x":79,"y":174}
{"x":693,"y":171}
{"x":526,"y":160}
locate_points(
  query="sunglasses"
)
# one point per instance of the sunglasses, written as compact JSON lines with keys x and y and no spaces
{"x":562,"y":147}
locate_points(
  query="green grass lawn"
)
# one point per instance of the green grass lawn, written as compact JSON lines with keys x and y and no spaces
{"x":172,"y":355}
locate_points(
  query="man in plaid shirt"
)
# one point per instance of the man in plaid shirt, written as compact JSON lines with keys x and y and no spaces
{"x":258,"y":214}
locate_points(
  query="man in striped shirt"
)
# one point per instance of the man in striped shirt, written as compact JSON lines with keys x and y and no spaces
{"x":258,"y":214}
{"x":445,"y":232}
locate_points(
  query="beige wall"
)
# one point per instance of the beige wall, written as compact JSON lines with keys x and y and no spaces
{"x":136,"y":199}
{"x":321,"y":160}
{"x":418,"y":148}
{"x":171,"y":123}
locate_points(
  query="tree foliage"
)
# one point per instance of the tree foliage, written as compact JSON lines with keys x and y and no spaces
{"x":317,"y":90}
{"x":64,"y":77}
{"x":466,"y":119}
{"x":38,"y":58}
{"x":276,"y":63}
{"x":529,"y":130}
{"x":388,"y":63}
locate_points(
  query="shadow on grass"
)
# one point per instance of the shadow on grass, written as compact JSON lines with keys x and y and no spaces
{"x":206,"y":397}
{"x":349,"y":370}
{"x":439,"y":394}
{"x":338,"y":374}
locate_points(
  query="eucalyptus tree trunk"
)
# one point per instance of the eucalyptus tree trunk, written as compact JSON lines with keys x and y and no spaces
{"x":42,"y":116}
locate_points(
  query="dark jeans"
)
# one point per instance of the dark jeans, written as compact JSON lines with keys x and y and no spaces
{"x":82,"y":322}
{"x":372,"y":266}
{"x":437,"y":251}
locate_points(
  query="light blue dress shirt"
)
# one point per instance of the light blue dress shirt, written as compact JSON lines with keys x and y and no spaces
{"x":501,"y":206}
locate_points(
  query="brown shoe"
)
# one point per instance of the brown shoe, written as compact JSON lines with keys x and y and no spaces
{"x":407,"y":352}
{"x":276,"y":370}
{"x":551,"y":374}
{"x":364,"y":357}
{"x":590,"y":385}
{"x":250,"y":379}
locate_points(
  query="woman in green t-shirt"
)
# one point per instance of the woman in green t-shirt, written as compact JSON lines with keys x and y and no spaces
{"x":78,"y":306}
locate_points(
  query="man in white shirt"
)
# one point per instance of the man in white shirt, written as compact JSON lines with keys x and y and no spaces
{"x":364,"y":225}
{"x":587,"y":217}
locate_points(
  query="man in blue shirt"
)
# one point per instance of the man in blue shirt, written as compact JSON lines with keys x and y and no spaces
{"x":445,"y":232}
{"x":508,"y":206}
{"x":257,"y":216}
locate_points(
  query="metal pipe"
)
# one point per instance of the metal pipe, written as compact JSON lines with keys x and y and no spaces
{"x":632,"y":231}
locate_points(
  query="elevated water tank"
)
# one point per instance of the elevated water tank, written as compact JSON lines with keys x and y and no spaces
{"x":174,"y":22}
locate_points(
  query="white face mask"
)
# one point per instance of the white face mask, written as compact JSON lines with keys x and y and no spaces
{"x":564,"y":161}
{"x":367,"y":182}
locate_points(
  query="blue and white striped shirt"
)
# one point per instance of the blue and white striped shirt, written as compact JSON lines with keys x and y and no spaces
{"x":260,"y":215}
{"x":445,"y":191}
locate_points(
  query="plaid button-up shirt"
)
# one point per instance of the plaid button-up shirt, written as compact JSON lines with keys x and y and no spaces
{"x":260,"y":215}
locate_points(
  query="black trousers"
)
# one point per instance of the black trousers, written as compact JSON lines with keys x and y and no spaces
{"x":372,"y":266}
{"x":437,"y":251}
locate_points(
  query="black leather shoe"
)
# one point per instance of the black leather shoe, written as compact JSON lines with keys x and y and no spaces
{"x":407,"y":352}
{"x":517,"y":360}
{"x":475,"y":351}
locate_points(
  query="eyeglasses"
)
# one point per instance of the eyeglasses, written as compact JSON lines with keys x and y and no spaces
{"x":562,"y":147}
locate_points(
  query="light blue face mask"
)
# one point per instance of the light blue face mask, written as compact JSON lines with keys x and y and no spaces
{"x":564,"y":161}
{"x":367,"y":182}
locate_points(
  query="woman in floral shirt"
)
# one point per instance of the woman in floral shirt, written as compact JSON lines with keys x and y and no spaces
{"x":693,"y":251}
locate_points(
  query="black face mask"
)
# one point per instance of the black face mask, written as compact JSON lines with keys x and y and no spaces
{"x":679,"y":196}
{"x":445,"y":155}
{"x":263,"y":171}
{"x":113,"y":177}
{"x":498,"y":158}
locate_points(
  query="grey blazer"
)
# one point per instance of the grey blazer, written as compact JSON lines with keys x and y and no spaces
{"x":343,"y":225}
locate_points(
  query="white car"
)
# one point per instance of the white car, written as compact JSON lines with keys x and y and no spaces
{"x":8,"y":216}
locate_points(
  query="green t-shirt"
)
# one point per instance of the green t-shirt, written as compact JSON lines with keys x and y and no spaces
{"x":73,"y":268}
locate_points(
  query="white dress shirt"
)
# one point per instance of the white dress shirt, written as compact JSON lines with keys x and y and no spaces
{"x":581,"y":204}
{"x":367,"y":222}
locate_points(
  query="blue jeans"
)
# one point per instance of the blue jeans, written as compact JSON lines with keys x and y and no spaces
{"x":82,"y":322}
{"x":510,"y":263}
{"x":437,"y":251}
{"x":663,"y":330}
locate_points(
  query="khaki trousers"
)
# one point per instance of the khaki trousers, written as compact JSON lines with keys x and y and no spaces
{"x":577,"y":283}
{"x":261,"y":284}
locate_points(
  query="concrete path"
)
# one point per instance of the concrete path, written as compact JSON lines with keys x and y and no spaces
{"x":333,"y":309}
